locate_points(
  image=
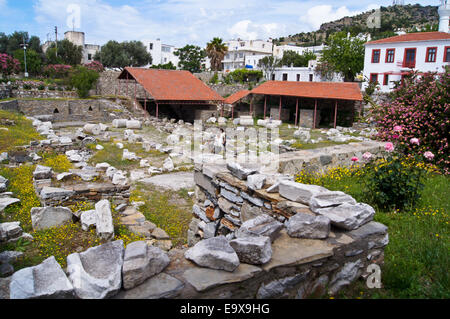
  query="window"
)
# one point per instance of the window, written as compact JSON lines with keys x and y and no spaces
{"x":447,"y":54}
{"x":241,"y":55}
{"x":263,"y":46}
{"x":311,"y":77}
{"x":285,"y":77}
{"x":242,"y":44}
{"x":165,"y":49}
{"x":298,"y":77}
{"x":410,"y":58}
{"x":376,"y":56}
{"x":386,"y":79}
{"x":151,"y":46}
{"x":89,"y":56}
{"x":431,"y":54}
{"x":373,"y":77}
{"x":273,"y":77}
{"x":390,"y":55}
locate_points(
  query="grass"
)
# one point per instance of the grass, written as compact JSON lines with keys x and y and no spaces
{"x":416,"y":259}
{"x":22,"y":133}
{"x":169,"y":210}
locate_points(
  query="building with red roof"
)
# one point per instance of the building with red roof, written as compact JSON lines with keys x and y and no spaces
{"x":388,"y":60}
{"x":177,"y":94}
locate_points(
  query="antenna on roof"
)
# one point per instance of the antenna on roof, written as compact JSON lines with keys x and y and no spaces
{"x":398,"y":2}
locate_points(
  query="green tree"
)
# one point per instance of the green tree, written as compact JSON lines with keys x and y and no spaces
{"x":191,"y":58}
{"x":3,"y":42}
{"x":137,"y":53}
{"x":216,"y":51}
{"x":83,"y":80}
{"x":297,"y":60}
{"x":34,"y":61}
{"x":345,"y":55}
{"x":119,"y":55}
{"x":68,"y":53}
{"x":268,"y":65}
{"x":167,"y":66}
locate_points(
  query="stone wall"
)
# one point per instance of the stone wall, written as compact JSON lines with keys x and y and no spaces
{"x":43,"y":94}
{"x":5,"y":92}
{"x":107,"y":83}
{"x":10,"y":106}
{"x":227,"y":89}
{"x":322,"y":159}
{"x":300,"y":266}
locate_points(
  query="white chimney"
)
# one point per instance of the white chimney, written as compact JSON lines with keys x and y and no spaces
{"x":444,"y":14}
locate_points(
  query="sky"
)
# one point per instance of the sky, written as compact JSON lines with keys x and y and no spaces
{"x":177,"y":22}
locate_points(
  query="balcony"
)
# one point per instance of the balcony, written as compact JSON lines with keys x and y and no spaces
{"x":407,"y":64}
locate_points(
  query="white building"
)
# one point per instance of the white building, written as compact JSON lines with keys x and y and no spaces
{"x":77,"y":38}
{"x":389,"y":60}
{"x":302,"y":74}
{"x":242,"y":51}
{"x":161,"y":53}
{"x":89,"y":50}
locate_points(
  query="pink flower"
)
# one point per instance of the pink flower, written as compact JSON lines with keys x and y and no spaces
{"x":428,"y":155}
{"x":397,"y":128}
{"x":355,"y":159}
{"x":367,"y":156}
{"x":414,"y":141}
{"x":389,"y":147}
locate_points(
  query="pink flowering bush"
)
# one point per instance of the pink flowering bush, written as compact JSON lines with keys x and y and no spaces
{"x":420,"y":111}
{"x":8,"y":65}
{"x":396,"y":180}
{"x":95,"y":66}
{"x":58,"y":71}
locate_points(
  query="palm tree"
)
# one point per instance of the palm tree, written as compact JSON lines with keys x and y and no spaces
{"x":216,"y":51}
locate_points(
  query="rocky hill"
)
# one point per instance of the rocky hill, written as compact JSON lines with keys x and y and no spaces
{"x":408,"y":18}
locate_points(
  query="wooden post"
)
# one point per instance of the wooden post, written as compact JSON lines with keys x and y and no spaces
{"x":145,"y":100}
{"x":265,"y":106}
{"x":279,"y":110}
{"x":232,"y":111}
{"x":221,"y":112}
{"x":315,"y":114}
{"x":135,"y":85}
{"x":296,"y":112}
{"x":251,"y":106}
{"x":157,"y":110}
{"x":335,"y":113}
{"x":119,"y":88}
{"x":127,"y":83}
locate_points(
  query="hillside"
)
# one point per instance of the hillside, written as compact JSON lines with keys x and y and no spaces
{"x":408,"y":18}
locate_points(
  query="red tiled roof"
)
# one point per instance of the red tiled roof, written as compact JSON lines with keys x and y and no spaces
{"x":414,"y":37}
{"x":172,"y":85}
{"x":236,"y":96}
{"x":322,"y":90}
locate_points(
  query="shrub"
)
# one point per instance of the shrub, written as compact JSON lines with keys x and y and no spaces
{"x":27,"y":87}
{"x":95,"y":66}
{"x":41,"y":87}
{"x":58,"y":71}
{"x":8,"y":65}
{"x":83,"y":80}
{"x":51,"y":88}
{"x":420,"y":108}
{"x":214,"y":79}
{"x":244,"y":75}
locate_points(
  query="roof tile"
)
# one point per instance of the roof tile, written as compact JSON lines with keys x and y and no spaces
{"x":414,"y":37}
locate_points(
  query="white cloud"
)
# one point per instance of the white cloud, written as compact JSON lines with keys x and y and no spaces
{"x":318,"y":15}
{"x":248,"y":30}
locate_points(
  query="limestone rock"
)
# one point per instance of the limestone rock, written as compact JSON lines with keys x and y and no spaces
{"x":48,"y":217}
{"x":93,"y":129}
{"x":134,"y":124}
{"x":215,"y":253}
{"x":349,"y":273}
{"x":158,"y":233}
{"x":297,"y":192}
{"x":104,"y":222}
{"x":307,"y":226}
{"x":10,"y":231}
{"x":63,"y":176}
{"x":256,"y":181}
{"x":253,"y":250}
{"x":168,"y":165}
{"x":10,"y":256}
{"x":240,"y":172}
{"x":3,"y":183}
{"x":263,"y":225}
{"x":55,"y":193}
{"x":119,"y":123}
{"x":348,"y":216}
{"x":161,"y":286}
{"x":42,"y":172}
{"x":97,"y":272}
{"x":328,"y":199}
{"x":88,"y":219}
{"x":142,"y":262}
{"x":7,"y":201}
{"x":127,"y":155}
{"x":46,"y":280}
